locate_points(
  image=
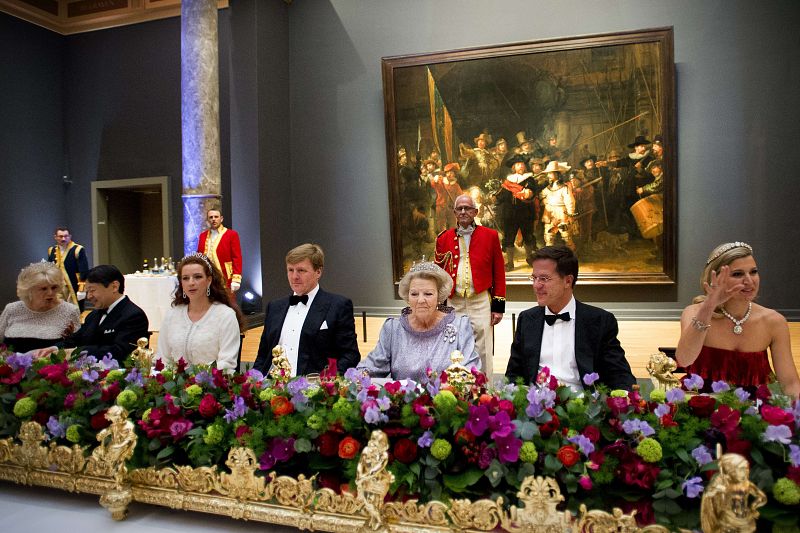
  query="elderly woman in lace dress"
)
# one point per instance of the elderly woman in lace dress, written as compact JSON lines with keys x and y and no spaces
{"x":426,"y":333}
{"x":40,"y":318}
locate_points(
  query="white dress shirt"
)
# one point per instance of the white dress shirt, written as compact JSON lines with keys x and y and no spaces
{"x":110,"y":307}
{"x":558,"y":348}
{"x":292,"y":326}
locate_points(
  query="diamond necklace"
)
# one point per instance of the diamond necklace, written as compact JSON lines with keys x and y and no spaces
{"x":737,"y":324}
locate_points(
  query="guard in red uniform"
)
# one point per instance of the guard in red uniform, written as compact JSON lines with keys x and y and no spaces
{"x":221,"y":245}
{"x":471,"y":255}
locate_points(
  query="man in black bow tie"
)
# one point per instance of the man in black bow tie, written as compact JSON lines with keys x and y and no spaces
{"x":570,"y":338}
{"x":313,"y":326}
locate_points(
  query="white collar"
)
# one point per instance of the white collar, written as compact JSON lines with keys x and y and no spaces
{"x":311,"y":294}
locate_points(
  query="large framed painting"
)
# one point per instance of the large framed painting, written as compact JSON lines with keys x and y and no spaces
{"x":564,"y":141}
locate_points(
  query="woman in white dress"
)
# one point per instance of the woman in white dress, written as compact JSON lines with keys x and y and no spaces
{"x":201,"y":327}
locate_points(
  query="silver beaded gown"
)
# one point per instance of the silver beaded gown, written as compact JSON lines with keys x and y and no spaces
{"x":403,"y":353}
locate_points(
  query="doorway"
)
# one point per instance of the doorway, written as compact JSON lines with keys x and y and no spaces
{"x":131,"y":222}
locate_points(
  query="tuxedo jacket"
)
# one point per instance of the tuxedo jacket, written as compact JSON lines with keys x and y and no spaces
{"x":117,"y":335}
{"x":597,"y":348}
{"x":317,"y":345}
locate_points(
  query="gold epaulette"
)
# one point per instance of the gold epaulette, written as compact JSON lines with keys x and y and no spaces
{"x":444,"y":260}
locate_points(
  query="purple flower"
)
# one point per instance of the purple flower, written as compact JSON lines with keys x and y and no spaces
{"x":508,"y":448}
{"x":179,"y":428}
{"x":702,"y":455}
{"x":694,"y":382}
{"x":373,"y":415}
{"x":780,"y":434}
{"x":478,"y":421}
{"x":633,"y":425}
{"x":539,"y":399}
{"x":720,"y":386}
{"x":425,"y":440}
{"x":109,"y":363}
{"x":282,"y":449}
{"x":252,"y":374}
{"x":55,"y":429}
{"x":134,"y":377}
{"x":266,"y":461}
{"x":357,"y":376}
{"x":675,"y":395}
{"x":409,"y":389}
{"x":238,"y":411}
{"x":693,"y":487}
{"x":486,"y":457}
{"x":362,"y":395}
{"x":433,"y":385}
{"x":662,"y":409}
{"x":583,"y":443}
{"x":20,"y":360}
{"x":794,"y":454}
{"x":796,"y":413}
{"x":298,"y":385}
{"x":742,"y":394}
{"x":90,"y":375}
{"x":384,"y":402}
{"x":589,"y":379}
{"x":204,"y":378}
{"x":299,"y":401}
{"x":501,"y":425}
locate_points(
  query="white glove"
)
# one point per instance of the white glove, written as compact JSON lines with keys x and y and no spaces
{"x":235,"y":286}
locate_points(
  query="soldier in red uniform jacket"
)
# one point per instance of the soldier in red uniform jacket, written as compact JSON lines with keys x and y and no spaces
{"x":221,"y":245}
{"x":471,"y":255}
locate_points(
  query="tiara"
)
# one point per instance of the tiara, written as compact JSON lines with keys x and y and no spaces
{"x":424,"y":266}
{"x":727,"y":247}
{"x":40,"y":267}
{"x":203,"y":257}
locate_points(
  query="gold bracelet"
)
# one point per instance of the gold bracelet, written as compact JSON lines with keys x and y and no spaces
{"x":699,"y":326}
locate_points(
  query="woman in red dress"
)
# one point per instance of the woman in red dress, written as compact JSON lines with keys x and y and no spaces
{"x":726,"y":336}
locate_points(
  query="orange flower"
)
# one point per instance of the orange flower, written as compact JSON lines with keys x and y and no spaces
{"x":568,"y":456}
{"x":281,"y":405}
{"x":348,"y":448}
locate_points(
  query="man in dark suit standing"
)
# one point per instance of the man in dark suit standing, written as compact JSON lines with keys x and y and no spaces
{"x":312,"y":325}
{"x":571,"y":338}
{"x":116,"y":322}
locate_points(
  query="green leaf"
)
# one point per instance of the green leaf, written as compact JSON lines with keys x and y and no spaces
{"x":667,"y":483}
{"x":166,"y":452}
{"x":681,"y":453}
{"x":459,"y":482}
{"x":551,"y":464}
{"x":672,"y":493}
{"x":666,"y":506}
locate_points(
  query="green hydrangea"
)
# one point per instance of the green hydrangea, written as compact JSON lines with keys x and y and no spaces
{"x":576,"y":401}
{"x":343,"y":408}
{"x":25,"y":408}
{"x":194,"y":390}
{"x":528,"y":453}
{"x":214,"y":434}
{"x":658,"y":395}
{"x":445,"y":403}
{"x":786,"y":491}
{"x":167,"y":374}
{"x":115,"y":375}
{"x":649,"y":449}
{"x":146,"y":415}
{"x":520,"y":399}
{"x":128,"y":399}
{"x":266,"y":395}
{"x":75,"y":376}
{"x":619,"y":393}
{"x":407,"y":416}
{"x":74,"y":433}
{"x":440,"y":449}
{"x":317,"y":422}
{"x":571,"y":433}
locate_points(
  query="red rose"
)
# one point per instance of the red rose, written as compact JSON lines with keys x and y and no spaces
{"x":281,"y":405}
{"x":209,"y":406}
{"x":793,"y":473}
{"x":463,"y":436}
{"x":702,"y":405}
{"x":634,"y":471}
{"x":348,"y":448}
{"x":568,"y":456}
{"x":775,"y":416}
{"x":592,"y":433}
{"x":508,"y":407}
{"x":41,"y":417}
{"x":159,"y":365}
{"x":763,"y":393}
{"x":110,"y":393}
{"x":548,"y":428}
{"x":98,"y":421}
{"x":726,"y":420}
{"x":242,"y":432}
{"x":328,"y":444}
{"x":405,"y":450}
{"x":667,"y":421}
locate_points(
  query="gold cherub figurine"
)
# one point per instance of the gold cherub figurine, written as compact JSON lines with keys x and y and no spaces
{"x":731,"y":501}
{"x":281,"y":368}
{"x":143,"y":356}
{"x":457,"y":374}
{"x":660,"y":367}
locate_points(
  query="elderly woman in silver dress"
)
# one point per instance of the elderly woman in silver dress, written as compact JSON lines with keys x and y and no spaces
{"x":426,"y":333}
{"x":40,"y":318}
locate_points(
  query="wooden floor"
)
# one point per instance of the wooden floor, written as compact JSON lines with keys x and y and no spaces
{"x":640,"y":339}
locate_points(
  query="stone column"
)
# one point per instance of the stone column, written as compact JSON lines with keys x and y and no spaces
{"x":202,"y":184}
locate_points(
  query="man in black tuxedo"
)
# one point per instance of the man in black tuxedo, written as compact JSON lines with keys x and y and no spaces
{"x":571,"y":338}
{"x":312,"y":325}
{"x":116,"y":322}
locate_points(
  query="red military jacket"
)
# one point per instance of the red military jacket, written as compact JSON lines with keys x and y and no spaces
{"x":486,"y":262}
{"x":226,"y":254}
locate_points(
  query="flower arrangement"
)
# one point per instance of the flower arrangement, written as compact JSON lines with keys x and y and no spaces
{"x":655,"y":454}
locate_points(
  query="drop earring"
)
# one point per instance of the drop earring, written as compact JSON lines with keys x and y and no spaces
{"x":208,"y":290}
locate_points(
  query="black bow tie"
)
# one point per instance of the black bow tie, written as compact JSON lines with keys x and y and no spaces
{"x":551,"y":319}
{"x":295,"y":299}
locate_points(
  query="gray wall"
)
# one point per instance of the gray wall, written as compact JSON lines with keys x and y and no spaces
{"x":31,"y":149}
{"x":737,"y":84}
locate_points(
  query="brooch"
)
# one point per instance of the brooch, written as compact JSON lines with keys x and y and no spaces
{"x":450,"y":333}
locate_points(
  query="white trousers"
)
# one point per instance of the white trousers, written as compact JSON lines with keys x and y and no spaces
{"x":479,"y":310}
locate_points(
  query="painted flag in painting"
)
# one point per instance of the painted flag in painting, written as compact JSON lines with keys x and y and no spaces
{"x":441,"y":123}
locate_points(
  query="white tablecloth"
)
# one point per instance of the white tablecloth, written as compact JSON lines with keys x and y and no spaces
{"x":153,"y":294}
